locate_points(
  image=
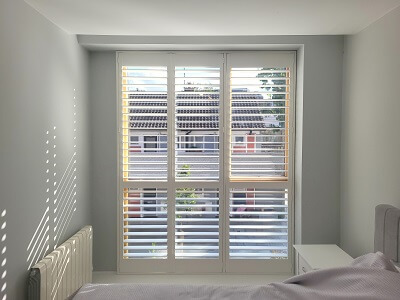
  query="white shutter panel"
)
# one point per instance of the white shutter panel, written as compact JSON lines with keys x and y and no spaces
{"x":259,"y":164}
{"x":197,"y":158}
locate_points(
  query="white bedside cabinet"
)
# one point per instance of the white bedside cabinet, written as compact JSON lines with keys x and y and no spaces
{"x":315,"y":257}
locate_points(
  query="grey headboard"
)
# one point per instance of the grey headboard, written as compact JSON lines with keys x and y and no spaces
{"x":387,"y":231}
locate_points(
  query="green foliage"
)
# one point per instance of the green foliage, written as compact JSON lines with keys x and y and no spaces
{"x":186,"y":196}
{"x":269,"y":77}
{"x":153,"y":250}
{"x":186,"y":171}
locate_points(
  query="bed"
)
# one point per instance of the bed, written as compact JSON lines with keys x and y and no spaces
{"x":371,"y":276}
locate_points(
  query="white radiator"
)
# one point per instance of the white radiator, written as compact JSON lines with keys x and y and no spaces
{"x":61,"y":273}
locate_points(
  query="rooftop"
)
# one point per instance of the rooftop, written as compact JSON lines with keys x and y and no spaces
{"x":197,"y":111}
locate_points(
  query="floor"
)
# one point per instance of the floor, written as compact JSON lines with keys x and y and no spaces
{"x":215,"y":279}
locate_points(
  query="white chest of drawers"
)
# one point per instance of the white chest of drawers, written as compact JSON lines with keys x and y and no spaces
{"x":315,"y":257}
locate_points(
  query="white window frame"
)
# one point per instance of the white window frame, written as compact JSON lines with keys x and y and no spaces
{"x":223,"y":263}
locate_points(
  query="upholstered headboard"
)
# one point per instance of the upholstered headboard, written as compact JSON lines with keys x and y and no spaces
{"x":387,"y":231}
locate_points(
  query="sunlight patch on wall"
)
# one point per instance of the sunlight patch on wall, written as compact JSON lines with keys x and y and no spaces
{"x":67,"y":200}
{"x":3,"y":253}
{"x":60,"y":194}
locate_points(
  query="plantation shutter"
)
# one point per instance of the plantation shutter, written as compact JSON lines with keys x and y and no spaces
{"x":197,"y":158}
{"x":197,"y":161}
{"x":260,"y":160}
{"x":205,"y":161}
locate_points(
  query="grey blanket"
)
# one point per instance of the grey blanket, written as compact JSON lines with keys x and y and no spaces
{"x":371,"y":276}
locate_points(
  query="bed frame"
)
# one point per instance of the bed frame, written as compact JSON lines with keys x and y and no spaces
{"x":65,"y":270}
{"x":387,"y":231}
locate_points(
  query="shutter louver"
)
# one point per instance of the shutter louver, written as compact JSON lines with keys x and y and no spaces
{"x":196,"y":223}
{"x":144,"y":114}
{"x":145,"y":223}
{"x":197,"y":101}
{"x":259,"y":123}
{"x":258,"y":223}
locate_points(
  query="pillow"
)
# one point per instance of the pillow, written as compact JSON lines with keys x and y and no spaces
{"x":374,"y":261}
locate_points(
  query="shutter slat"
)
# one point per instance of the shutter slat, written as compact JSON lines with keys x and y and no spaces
{"x":199,"y":254}
{"x":196,"y":247}
{"x":196,"y":241}
{"x":258,"y":241}
{"x":259,"y":255}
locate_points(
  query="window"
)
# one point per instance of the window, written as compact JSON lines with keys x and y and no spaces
{"x":206,"y":156}
{"x":239,"y":139}
{"x":150,"y":144}
{"x":134,"y":139}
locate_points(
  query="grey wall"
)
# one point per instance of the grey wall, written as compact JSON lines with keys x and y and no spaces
{"x":370,"y":134}
{"x":320,"y":174}
{"x":104,"y":159}
{"x":42,"y":69}
{"x":318,"y":136}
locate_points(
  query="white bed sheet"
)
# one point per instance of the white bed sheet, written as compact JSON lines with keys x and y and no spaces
{"x":371,"y":276}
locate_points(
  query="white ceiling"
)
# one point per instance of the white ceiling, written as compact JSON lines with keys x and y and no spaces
{"x":213,"y":17}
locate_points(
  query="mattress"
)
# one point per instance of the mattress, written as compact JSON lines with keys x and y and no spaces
{"x":371,"y":276}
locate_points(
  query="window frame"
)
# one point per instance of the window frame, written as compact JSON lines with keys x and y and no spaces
{"x":224,"y":184}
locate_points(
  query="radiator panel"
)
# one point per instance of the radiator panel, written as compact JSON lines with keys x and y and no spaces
{"x":65,"y":270}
